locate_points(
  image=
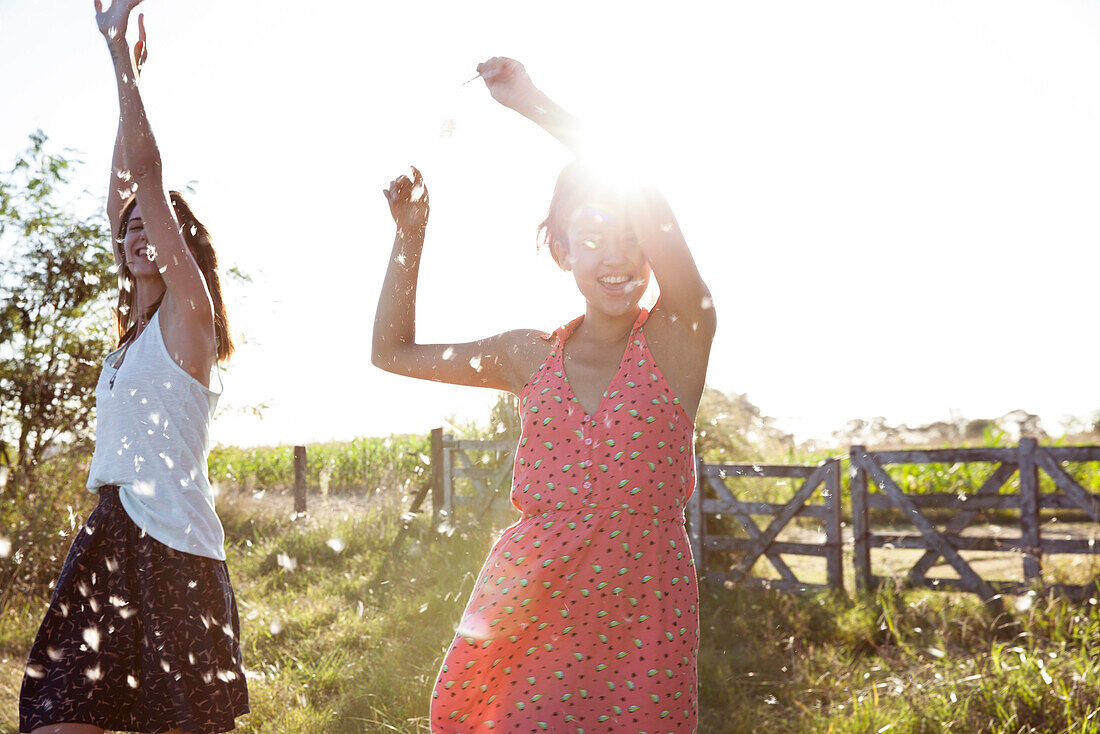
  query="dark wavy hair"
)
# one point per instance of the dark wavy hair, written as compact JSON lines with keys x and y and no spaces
{"x":577,"y":183}
{"x":198,"y":242}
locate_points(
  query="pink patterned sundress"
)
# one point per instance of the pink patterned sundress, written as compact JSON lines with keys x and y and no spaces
{"x":584,"y":618}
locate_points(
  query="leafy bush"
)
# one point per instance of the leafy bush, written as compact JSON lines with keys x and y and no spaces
{"x":37,"y":522}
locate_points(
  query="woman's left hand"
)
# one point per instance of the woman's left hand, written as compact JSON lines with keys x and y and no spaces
{"x":141,"y":48}
{"x":112,"y":22}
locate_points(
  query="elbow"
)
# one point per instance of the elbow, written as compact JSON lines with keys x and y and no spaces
{"x":702,"y":317}
{"x":695,"y":310}
{"x":705,"y":324}
{"x":392,"y":349}
{"x":710,"y":316}
{"x":707,"y":317}
{"x":379,"y":359}
{"x":381,"y":355}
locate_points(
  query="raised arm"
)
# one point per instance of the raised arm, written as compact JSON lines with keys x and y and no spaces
{"x":684,"y":295}
{"x":682,"y":323}
{"x":186,"y":311}
{"x":120,"y":180}
{"x":502,"y":362}
{"x":685,"y":298}
{"x":510,"y":85}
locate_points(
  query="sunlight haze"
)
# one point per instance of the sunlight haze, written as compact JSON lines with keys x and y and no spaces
{"x":893,"y":203}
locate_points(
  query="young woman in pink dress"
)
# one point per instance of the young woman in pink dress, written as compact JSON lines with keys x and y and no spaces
{"x":584,"y":617}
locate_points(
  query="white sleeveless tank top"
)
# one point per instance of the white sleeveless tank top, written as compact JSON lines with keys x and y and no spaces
{"x":153,"y":440}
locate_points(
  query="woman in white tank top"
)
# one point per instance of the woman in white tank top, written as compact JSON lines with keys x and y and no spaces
{"x":142,"y":633}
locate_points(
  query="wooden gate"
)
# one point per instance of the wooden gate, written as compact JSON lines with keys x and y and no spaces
{"x":714,"y":497}
{"x":946,"y":543}
{"x":483,"y":470}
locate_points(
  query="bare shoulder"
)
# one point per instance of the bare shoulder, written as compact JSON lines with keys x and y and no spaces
{"x":524,"y":350}
{"x":681,"y":349}
{"x":188,"y":335}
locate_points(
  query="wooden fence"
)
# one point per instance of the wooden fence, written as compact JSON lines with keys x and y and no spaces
{"x":486,"y":465}
{"x":476,"y":475}
{"x":1028,"y":459}
{"x":713,"y":498}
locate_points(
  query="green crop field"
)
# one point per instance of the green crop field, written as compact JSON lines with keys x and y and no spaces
{"x":346,"y":613}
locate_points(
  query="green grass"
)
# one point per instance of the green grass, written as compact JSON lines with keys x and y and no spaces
{"x":341,"y":634}
{"x":344,"y":627}
{"x":913,"y":662}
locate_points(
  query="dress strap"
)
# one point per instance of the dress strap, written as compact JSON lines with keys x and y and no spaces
{"x":564,"y":332}
{"x":638,"y":322}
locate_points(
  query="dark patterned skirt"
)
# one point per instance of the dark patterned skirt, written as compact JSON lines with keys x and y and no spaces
{"x":138,"y":636}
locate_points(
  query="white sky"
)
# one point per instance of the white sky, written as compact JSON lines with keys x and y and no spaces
{"x":895,"y":204}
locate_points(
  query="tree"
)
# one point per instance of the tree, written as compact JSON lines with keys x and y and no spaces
{"x":55,"y":323}
{"x":730,"y":428}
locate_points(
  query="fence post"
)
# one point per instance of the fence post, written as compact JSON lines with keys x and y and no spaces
{"x":447,"y":479}
{"x":1029,"y":509}
{"x":299,"y":478}
{"x":436,"y":441}
{"x":834,"y":569}
{"x":697,"y":520}
{"x":861,"y":558}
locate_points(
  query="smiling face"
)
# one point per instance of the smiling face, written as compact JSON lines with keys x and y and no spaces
{"x":138,"y":254}
{"x":605,"y":258}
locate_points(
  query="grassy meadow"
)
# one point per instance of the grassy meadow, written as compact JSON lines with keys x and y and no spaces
{"x":347,"y":611}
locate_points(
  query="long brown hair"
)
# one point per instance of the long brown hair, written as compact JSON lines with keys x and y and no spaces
{"x":198,"y":242}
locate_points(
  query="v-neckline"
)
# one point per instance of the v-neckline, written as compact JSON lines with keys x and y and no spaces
{"x":124,"y":351}
{"x":572,"y":327}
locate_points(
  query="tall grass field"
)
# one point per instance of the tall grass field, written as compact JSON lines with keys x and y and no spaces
{"x":346,"y":612}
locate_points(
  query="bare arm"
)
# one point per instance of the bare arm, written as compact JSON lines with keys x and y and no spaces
{"x":502,"y":362}
{"x":685,"y":298}
{"x":683,"y":322}
{"x":120,"y":182}
{"x":114,"y":191}
{"x":684,"y":295}
{"x":187,"y":311}
{"x":510,"y":85}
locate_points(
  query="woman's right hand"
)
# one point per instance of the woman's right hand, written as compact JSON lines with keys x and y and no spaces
{"x":507,"y":81}
{"x":113,"y":21}
{"x":408,"y":200}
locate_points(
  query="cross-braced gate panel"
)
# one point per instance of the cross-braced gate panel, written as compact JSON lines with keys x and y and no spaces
{"x":714,"y":498}
{"x":948,"y":542}
{"x":476,"y":475}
